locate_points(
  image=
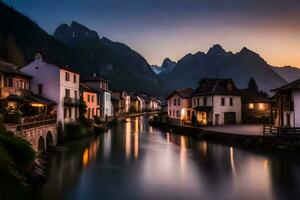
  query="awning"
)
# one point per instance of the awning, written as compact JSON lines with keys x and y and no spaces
{"x":203,"y":108}
{"x":32,"y":99}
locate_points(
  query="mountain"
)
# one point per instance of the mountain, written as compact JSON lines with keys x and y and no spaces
{"x":217,"y":63}
{"x":123,"y":67}
{"x":167,"y":66}
{"x":288,"y":73}
{"x":76,"y":46}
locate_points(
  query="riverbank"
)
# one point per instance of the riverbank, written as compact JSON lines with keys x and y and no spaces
{"x":260,"y":142}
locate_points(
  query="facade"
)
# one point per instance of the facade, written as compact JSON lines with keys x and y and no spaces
{"x":119,"y":103}
{"x":178,"y":102}
{"x":215,"y":102}
{"x":134,"y":103}
{"x":286,"y":105}
{"x":89,"y":97}
{"x":103,"y":94}
{"x":141,"y":103}
{"x":256,"y":107}
{"x":60,"y":84}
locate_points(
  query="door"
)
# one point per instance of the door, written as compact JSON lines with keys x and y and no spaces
{"x":288,"y":119}
{"x":217,"y":116}
{"x":230,"y":118}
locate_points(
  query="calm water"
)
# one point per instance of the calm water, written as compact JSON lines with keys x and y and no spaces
{"x":137,"y":161}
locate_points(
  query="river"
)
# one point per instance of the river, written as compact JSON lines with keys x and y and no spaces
{"x":137,"y":161}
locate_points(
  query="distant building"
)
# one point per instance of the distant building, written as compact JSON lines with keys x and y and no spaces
{"x":119,"y":103}
{"x":216,"y":102}
{"x":178,"y":102}
{"x":58,"y":83}
{"x":286,"y":106}
{"x":103,"y":94}
{"x":134,"y":103}
{"x":91,"y":101}
{"x":256,"y":107}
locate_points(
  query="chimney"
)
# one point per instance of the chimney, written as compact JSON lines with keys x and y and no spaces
{"x":38,"y":56}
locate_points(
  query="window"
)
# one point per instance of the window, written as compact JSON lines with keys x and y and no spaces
{"x":178,"y":102}
{"x":74,"y":78}
{"x":204,"y":101}
{"x":93,"y":112}
{"x":174,"y":102}
{"x":251,"y":106}
{"x":67,"y":76}
{"x":194,"y":101}
{"x":40,"y":89}
{"x":170,"y":112}
{"x":93,"y":98}
{"x":89,"y":112}
{"x":177,"y":113}
{"x":261,"y":106}
{"x":229,"y":86}
{"x":70,"y":112}
{"x":67,"y":91}
{"x":10,"y":82}
{"x":88,"y":98}
{"x":231,"y":102}
{"x":98,"y":99}
{"x":198,"y":101}
{"x":173,"y":113}
{"x":65,"y":113}
{"x":222,"y":101}
{"x":75,"y":94}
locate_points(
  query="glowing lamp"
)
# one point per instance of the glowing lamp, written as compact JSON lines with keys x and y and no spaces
{"x":37,"y":105}
{"x":261,"y":106}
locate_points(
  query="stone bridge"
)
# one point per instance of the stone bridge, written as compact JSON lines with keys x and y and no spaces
{"x":41,"y":135}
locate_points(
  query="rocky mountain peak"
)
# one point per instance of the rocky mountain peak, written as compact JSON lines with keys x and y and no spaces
{"x":216,"y":50}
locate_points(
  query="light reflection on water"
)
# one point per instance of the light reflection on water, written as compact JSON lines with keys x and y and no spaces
{"x":137,"y":161}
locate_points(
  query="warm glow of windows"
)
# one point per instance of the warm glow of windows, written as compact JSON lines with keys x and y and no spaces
{"x":251,"y":106}
{"x":261,"y":106}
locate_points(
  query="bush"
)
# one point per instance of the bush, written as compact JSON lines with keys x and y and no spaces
{"x":19,"y":149}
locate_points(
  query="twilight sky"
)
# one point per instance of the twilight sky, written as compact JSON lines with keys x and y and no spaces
{"x":173,"y":28}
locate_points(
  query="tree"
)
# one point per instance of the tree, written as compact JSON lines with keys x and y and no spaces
{"x":252,"y":85}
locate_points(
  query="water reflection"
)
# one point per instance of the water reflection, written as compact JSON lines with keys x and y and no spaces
{"x":137,"y":161}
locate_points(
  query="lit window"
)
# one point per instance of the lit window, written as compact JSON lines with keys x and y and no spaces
{"x":251,"y":106}
{"x":261,"y":106}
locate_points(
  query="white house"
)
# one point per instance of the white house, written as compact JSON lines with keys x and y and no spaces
{"x":60,"y":84}
{"x":103,"y":93}
{"x":216,"y":102}
{"x":286,"y":107}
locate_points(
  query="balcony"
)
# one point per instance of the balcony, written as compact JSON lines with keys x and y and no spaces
{"x":71,"y":101}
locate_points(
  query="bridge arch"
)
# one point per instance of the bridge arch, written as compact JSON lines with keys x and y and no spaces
{"x":49,"y":140}
{"x":41,"y":144}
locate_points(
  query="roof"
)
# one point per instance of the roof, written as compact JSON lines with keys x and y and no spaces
{"x":295,"y":85}
{"x":183,"y":93}
{"x":250,"y":96}
{"x":216,"y":87}
{"x":30,"y":98}
{"x":92,"y":79}
{"x":11,"y":69}
{"x":95,"y":88}
{"x":86,"y":88}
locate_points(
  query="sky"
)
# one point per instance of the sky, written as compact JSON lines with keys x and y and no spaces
{"x":173,"y":28}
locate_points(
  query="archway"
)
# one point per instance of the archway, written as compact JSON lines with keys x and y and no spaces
{"x":49,"y":140}
{"x":41,"y":144}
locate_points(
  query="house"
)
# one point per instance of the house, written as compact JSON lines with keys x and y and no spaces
{"x":89,"y":97}
{"x":286,"y":105}
{"x":134,"y":103}
{"x":178,"y":102}
{"x":57,"y":83}
{"x":17,"y":101}
{"x":141,"y":103}
{"x":103,"y":94}
{"x":151,"y":103}
{"x":119,"y":103}
{"x":256,"y":107}
{"x":127,"y":102}
{"x":215,"y":102}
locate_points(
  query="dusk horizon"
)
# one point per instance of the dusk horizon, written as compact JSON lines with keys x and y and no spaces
{"x":170,"y":29}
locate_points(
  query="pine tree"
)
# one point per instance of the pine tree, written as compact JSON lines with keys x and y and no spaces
{"x":252,"y":85}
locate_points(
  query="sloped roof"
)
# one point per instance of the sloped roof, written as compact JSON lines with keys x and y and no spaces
{"x":250,"y":96}
{"x":94,"y":87}
{"x":87,"y":88}
{"x":295,"y":85}
{"x":30,"y":98}
{"x":216,"y":87}
{"x":11,"y":69}
{"x":183,"y":93}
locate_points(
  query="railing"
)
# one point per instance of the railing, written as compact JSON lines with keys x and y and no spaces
{"x":26,"y":126}
{"x":69,"y":100}
{"x":282,"y":130}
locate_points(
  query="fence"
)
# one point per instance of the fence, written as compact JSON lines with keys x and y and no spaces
{"x":282,"y":131}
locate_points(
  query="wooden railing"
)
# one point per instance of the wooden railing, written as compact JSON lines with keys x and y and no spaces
{"x":69,"y":100}
{"x":282,"y":130}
